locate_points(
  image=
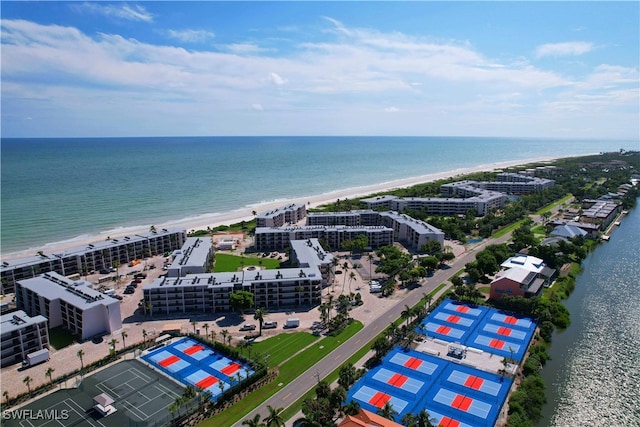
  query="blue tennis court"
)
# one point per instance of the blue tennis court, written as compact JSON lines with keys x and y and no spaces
{"x":193,"y":363}
{"x":453,"y":394}
{"x":480,"y":327}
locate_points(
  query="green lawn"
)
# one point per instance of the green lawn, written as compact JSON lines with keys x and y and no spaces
{"x":227,"y":262}
{"x":282,"y":346}
{"x":288,"y":372}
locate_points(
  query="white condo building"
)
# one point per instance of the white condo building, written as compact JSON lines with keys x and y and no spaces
{"x":272,"y":289}
{"x":289,"y":214}
{"x":21,"y":335}
{"x":92,"y":257}
{"x":74,"y":305}
{"x":193,"y":258}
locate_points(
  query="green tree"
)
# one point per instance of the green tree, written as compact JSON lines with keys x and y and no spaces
{"x":49,"y":373}
{"x":194,"y":323}
{"x":388,"y":412}
{"x":241,"y":300}
{"x":225,"y":334}
{"x":27,"y":381}
{"x":206,"y":329}
{"x":347,"y":375}
{"x":253,"y":422}
{"x":124,"y":337}
{"x":80,"y":355}
{"x":259,"y":315}
{"x":274,"y":419}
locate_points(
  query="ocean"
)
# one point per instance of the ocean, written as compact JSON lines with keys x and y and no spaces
{"x":57,"y":190}
{"x":593,"y":376}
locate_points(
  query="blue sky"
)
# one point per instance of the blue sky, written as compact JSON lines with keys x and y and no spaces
{"x":533,"y":69}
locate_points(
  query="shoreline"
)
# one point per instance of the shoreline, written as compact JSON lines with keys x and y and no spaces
{"x":245,"y":213}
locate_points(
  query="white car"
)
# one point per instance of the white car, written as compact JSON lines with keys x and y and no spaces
{"x":248,"y":327}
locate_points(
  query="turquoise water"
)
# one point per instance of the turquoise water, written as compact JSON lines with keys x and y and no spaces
{"x":59,"y":189}
{"x":593,"y":376}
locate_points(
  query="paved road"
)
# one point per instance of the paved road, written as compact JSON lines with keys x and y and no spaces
{"x":305,"y":382}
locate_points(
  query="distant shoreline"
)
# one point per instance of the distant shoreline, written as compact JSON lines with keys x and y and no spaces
{"x":245,"y":214}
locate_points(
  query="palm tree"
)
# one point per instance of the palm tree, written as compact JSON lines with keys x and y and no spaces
{"x":370,"y":258}
{"x":124,"y":336}
{"x":275,"y":417}
{"x":259,"y":315}
{"x":334,"y":263}
{"x":113,"y":343}
{"x":27,"y":380}
{"x":5,"y":394}
{"x":48,"y":373}
{"x":194,"y":323}
{"x":254,"y":422}
{"x":345,"y":267}
{"x":425,"y":420}
{"x":352,"y":276}
{"x":388,"y":412}
{"x":206,"y":329}
{"x":144,"y":335}
{"x":407,"y":313}
{"x":80,"y":354}
{"x":116,"y":265}
{"x":224,"y":334}
{"x":213,"y":335}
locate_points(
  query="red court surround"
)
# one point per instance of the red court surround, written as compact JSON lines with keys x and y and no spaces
{"x":168,"y":361}
{"x":453,"y":318}
{"x":474,"y":382}
{"x":413,"y":363}
{"x":207,"y":382}
{"x":397,"y":380}
{"x":379,"y":399}
{"x":193,"y":349}
{"x":462,"y":402}
{"x":510,"y":320}
{"x":444,"y":330}
{"x":502,"y":330}
{"x":496,"y":343}
{"x":231,"y":369}
{"x":448,"y":422}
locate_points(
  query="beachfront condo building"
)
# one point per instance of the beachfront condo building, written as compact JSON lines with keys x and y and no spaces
{"x":193,"y":258}
{"x":279,"y":238}
{"x":408,"y":231}
{"x":289,"y":214}
{"x":272,"y":289}
{"x":92,"y":257}
{"x":461,"y":200}
{"x":21,"y":335}
{"x":73,"y":305}
{"x":460,"y":197}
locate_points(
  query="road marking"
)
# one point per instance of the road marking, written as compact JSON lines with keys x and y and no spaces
{"x":286,"y":397}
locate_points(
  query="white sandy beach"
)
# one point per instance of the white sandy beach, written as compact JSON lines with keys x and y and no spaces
{"x":246,"y":214}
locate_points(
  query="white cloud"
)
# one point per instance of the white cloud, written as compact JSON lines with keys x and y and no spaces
{"x":276,"y":79}
{"x":359,"y":74}
{"x":563,"y":49}
{"x":246,"y":48}
{"x":191,"y":36}
{"x":121,"y":11}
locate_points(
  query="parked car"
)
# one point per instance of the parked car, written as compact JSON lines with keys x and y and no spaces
{"x":104,"y":271}
{"x":133,"y":284}
{"x":140,"y":276}
{"x":129,"y":290}
{"x":248,"y":327}
{"x":269,"y":325}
